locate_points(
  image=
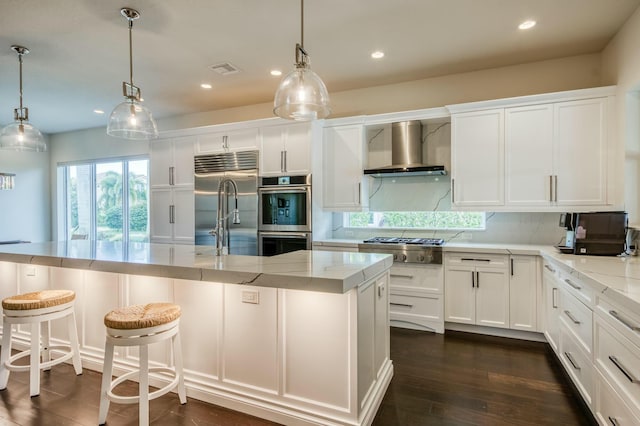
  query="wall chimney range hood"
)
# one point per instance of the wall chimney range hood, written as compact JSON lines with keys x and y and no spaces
{"x":406,"y":153}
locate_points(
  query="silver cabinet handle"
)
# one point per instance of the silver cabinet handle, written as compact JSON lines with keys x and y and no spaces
{"x":380,"y":290}
{"x":555,"y":188}
{"x":401,"y":304}
{"x":172,"y":217}
{"x":623,"y":369}
{"x":282,"y":161}
{"x":571,"y":360}
{"x":478,"y":279}
{"x":286,"y":166}
{"x":614,"y":421}
{"x":550,"y":268}
{"x":572,"y":284}
{"x":624,"y":321}
{"x":554,"y":298}
{"x":550,"y":187}
{"x":225,"y":142}
{"x":471,"y":259}
{"x":172,"y":179}
{"x":473,"y":279}
{"x":453,"y":191}
{"x":359,"y":192}
{"x":401,"y":276}
{"x":511,"y":266}
{"x":571,"y":317}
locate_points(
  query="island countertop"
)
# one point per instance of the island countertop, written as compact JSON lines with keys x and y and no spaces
{"x":329,"y":272}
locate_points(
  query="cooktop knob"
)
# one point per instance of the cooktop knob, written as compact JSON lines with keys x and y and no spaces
{"x":404,"y":257}
{"x":421,"y":258}
{"x":395,"y":257}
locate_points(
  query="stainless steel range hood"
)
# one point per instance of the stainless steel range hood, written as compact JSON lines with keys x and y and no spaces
{"x":406,"y":153}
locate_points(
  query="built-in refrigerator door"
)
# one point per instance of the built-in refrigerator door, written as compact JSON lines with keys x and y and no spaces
{"x":243,"y":237}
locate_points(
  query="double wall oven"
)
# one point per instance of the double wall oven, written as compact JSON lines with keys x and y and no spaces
{"x":284,"y":214}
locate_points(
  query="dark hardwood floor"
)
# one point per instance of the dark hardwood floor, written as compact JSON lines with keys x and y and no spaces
{"x":456,"y":379}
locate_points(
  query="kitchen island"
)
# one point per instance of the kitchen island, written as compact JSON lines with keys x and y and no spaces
{"x":299,"y":338}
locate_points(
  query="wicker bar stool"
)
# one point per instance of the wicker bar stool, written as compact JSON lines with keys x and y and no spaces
{"x":38,"y":309}
{"x":141,"y":325}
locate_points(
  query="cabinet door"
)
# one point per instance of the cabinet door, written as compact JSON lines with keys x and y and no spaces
{"x":381,"y":334}
{"x":492,"y":298}
{"x":237,"y":140}
{"x":460,"y":295}
{"x":343,"y":159}
{"x":297,"y":141}
{"x":183,"y":153}
{"x":523,"y":292}
{"x":529,"y":155}
{"x":477,"y":157}
{"x":581,"y":152}
{"x":551,"y":295}
{"x":160,"y":161}
{"x":161,"y":228}
{"x":271,"y":151}
{"x":184,"y":216}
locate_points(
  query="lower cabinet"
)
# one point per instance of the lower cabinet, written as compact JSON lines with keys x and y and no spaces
{"x":524,"y":289}
{"x":551,"y":306}
{"x":477,"y":289}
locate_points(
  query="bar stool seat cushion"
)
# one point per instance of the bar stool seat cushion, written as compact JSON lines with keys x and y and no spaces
{"x":38,"y":300}
{"x":142,"y":316}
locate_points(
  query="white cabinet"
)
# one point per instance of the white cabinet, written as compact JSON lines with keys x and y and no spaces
{"x":535,"y":153}
{"x":551,"y":296}
{"x":171,"y":198}
{"x":477,"y":158}
{"x":477,"y":289}
{"x":233,"y":140}
{"x":172,"y":215}
{"x":344,"y":151}
{"x":524,"y":285}
{"x":285,"y":150}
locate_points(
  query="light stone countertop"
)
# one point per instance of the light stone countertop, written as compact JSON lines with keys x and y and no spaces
{"x":617,"y":277}
{"x":329,"y":272}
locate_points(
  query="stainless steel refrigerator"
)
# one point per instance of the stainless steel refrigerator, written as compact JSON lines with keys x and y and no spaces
{"x":242,"y":167}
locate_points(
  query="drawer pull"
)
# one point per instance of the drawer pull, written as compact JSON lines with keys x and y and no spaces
{"x":571,"y":317}
{"x":472,"y":259}
{"x":554,"y":298}
{"x":613,"y":421}
{"x":624,"y":321}
{"x":405,"y":305}
{"x":402,"y":276}
{"x":571,"y":360}
{"x":550,"y":268}
{"x":572,"y":284}
{"x":623,"y":369}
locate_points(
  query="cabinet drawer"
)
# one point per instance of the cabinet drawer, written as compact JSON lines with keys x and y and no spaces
{"x":578,"y":363}
{"x":576,"y":286}
{"x":429,"y":278}
{"x":619,"y":361}
{"x":623,"y":320}
{"x":578,"y":318}
{"x":609,"y":408}
{"x":429,"y":306}
{"x":477,"y":259}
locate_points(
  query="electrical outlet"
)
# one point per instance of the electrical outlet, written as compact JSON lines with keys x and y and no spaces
{"x":30,"y":271}
{"x":251,"y":297}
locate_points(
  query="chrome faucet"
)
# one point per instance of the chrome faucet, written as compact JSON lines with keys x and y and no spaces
{"x":222,"y":230}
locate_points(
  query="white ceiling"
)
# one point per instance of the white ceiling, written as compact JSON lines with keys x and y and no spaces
{"x":79,"y":48}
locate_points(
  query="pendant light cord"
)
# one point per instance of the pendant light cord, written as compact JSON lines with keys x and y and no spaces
{"x":20,"y":62}
{"x":302,"y":24}
{"x":130,"y":53}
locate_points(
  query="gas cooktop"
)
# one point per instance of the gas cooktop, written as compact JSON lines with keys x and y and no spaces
{"x":402,"y":240}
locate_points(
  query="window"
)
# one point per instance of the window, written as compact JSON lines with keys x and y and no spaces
{"x":104,"y":200}
{"x":433,"y":220}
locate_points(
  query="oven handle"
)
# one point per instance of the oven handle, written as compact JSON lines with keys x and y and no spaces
{"x":285,"y":189}
{"x":285,"y":234}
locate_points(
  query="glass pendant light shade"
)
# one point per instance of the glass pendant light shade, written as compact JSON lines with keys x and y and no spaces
{"x":132,"y":120}
{"x":302,"y":96}
{"x":22,"y":136}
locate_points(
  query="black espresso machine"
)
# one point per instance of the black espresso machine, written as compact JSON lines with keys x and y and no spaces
{"x":595,"y":233}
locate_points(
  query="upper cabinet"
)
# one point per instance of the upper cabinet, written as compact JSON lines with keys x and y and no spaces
{"x":345,"y":187}
{"x":285,"y":150}
{"x":537,"y":155}
{"x":171,"y":162}
{"x":233,"y":140}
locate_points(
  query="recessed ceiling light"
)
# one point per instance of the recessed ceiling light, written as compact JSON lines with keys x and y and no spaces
{"x":206,"y":86}
{"x":377,"y":54}
{"x":98,"y":111}
{"x":527,"y":24}
{"x":276,"y":73}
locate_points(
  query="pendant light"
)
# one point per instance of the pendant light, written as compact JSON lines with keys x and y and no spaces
{"x":130,"y":119}
{"x":21,"y":135}
{"x":301,"y":95}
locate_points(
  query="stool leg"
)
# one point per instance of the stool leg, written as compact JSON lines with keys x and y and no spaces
{"x":34,"y":369}
{"x":46,"y":337}
{"x":177,"y":354}
{"x":144,"y":385}
{"x":107,"y":370}
{"x":5,"y":353}
{"x":73,"y":341}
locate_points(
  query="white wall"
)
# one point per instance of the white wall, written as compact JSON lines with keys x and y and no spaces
{"x":24,"y":210}
{"x":621,"y":66}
